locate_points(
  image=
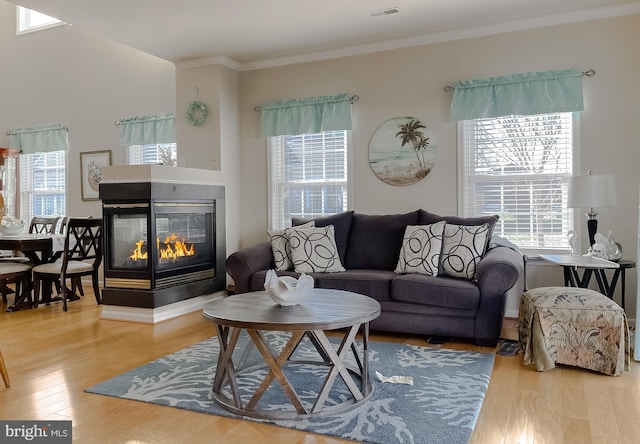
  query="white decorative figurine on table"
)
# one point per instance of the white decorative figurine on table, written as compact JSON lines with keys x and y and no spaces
{"x":287,"y":290}
{"x":606,"y":247}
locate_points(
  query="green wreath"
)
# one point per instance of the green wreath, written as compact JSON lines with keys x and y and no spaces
{"x":197,"y":113}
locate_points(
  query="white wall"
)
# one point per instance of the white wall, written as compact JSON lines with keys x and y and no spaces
{"x":64,"y":75}
{"x":409,"y":82}
{"x":214,"y":144}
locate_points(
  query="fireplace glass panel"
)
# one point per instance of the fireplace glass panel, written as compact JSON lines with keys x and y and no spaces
{"x":183,"y":239}
{"x":128,"y":243}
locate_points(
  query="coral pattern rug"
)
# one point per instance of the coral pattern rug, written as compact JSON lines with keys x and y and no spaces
{"x":441,"y":406}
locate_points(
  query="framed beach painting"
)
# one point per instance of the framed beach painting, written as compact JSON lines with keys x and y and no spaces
{"x":402,"y":151}
{"x":91,"y":164}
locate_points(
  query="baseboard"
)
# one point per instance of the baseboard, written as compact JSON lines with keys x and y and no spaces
{"x":511,"y":314}
{"x":155,"y":315}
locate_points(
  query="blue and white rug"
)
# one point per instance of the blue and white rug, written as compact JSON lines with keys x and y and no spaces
{"x":441,"y":406}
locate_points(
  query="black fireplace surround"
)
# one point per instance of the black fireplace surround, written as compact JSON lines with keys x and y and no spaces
{"x":164,"y":242}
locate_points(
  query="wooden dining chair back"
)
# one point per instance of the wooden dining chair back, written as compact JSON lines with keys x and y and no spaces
{"x":43,"y":225}
{"x":62,"y":225}
{"x":82,"y":256}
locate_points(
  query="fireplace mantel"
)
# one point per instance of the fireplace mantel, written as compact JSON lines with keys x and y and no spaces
{"x":157,"y":173}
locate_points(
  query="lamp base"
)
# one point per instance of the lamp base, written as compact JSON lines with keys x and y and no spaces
{"x":592,"y":227}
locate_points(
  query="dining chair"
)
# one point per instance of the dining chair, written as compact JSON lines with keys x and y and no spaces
{"x":4,"y":372}
{"x":17,"y":273}
{"x":82,"y":256}
{"x":40,"y":225}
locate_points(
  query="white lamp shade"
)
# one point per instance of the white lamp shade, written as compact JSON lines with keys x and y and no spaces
{"x":592,"y":191}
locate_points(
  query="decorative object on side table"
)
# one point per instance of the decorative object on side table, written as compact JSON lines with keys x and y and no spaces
{"x":287,"y":290}
{"x":91,"y":164}
{"x":606,"y":247}
{"x":592,"y":191}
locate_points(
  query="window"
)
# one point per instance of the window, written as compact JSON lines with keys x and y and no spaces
{"x":518,"y":167}
{"x":30,"y":20}
{"x":308,"y":176}
{"x":42,"y":184}
{"x":154,"y":154}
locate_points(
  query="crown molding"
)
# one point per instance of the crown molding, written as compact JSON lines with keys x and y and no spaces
{"x":425,"y":39}
{"x":446,"y":36}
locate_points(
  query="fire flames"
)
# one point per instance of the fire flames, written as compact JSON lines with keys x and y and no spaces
{"x":170,"y":249}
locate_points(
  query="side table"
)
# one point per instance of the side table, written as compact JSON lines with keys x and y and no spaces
{"x":592,"y":266}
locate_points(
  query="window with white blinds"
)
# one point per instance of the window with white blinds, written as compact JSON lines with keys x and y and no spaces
{"x":154,"y":154}
{"x":518,"y":167}
{"x":42,"y":184}
{"x":308,"y":176}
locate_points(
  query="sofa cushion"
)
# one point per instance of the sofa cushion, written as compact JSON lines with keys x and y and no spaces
{"x":426,"y":218}
{"x":421,"y":246}
{"x":314,"y":250}
{"x":375,"y":241}
{"x":375,"y":284}
{"x":462,"y":248}
{"x":281,"y":247}
{"x":438,"y":291}
{"x":342,"y":225}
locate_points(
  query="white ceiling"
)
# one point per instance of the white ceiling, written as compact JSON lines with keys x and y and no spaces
{"x":255,"y":33}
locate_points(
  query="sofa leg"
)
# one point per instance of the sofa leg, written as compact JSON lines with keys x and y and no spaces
{"x":484,"y":342}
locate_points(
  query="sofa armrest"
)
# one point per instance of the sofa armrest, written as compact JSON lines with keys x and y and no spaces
{"x":242,"y":264}
{"x":499,"y":270}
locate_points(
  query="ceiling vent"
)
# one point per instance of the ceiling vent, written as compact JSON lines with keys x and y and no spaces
{"x":386,"y":11}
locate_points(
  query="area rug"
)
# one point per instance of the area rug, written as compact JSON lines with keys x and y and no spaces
{"x":441,"y":406}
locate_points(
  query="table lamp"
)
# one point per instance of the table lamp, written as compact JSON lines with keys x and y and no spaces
{"x":592,"y":191}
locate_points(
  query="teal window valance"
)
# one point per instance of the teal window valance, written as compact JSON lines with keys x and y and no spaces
{"x":518,"y":94}
{"x":148,"y":130}
{"x":306,"y":116}
{"x":39,"y":139}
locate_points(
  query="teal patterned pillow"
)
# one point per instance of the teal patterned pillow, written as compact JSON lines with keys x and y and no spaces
{"x":281,"y":248}
{"x":314,"y":250}
{"x":462,"y":248}
{"x":421,"y":246}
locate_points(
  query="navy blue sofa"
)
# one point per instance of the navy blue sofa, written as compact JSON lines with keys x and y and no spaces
{"x":369,"y":247}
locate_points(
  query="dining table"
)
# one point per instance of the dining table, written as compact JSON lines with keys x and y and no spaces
{"x":38,"y":249}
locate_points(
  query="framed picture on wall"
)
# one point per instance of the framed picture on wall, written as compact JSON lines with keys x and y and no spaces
{"x":91,"y":164}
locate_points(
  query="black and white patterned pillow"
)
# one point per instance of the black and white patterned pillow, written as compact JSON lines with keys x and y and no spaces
{"x":314,"y":250}
{"x":421,"y":246}
{"x":281,"y":248}
{"x":462,"y":248}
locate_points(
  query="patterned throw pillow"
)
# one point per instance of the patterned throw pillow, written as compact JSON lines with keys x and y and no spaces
{"x":314,"y":250}
{"x":421,"y":246}
{"x":281,"y":248}
{"x":462,"y":248}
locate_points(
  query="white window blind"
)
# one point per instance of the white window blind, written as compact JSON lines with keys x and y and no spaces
{"x":308,"y":175}
{"x":518,"y":167}
{"x":42,"y":184}
{"x":154,"y":154}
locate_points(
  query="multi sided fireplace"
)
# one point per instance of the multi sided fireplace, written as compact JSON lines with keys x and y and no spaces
{"x":164,"y":242}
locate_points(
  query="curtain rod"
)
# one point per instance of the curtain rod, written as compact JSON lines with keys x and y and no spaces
{"x":588,"y":73}
{"x":352,"y":99}
{"x":11,"y":133}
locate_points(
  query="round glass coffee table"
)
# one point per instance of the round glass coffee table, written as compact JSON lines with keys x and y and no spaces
{"x":342,"y":312}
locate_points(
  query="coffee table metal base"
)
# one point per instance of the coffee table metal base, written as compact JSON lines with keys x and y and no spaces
{"x":227,"y":373}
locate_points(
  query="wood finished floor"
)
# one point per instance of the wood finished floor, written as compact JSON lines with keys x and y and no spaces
{"x":53,"y":356}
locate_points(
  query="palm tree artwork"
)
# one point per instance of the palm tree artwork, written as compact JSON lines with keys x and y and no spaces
{"x":401,"y":151}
